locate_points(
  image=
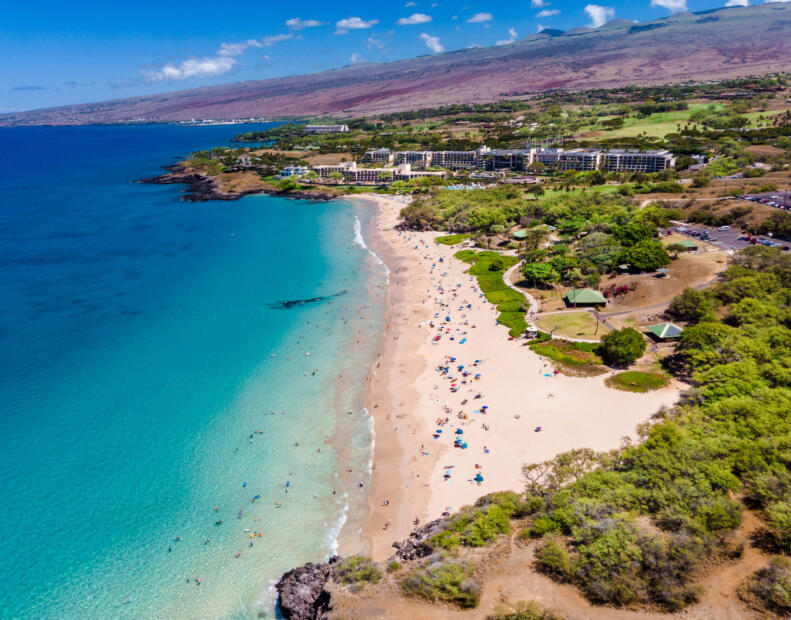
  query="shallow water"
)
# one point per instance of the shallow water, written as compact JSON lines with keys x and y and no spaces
{"x":139,"y":352}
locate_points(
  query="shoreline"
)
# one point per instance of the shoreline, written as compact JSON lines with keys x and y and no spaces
{"x":201,"y":188}
{"x":423,"y":476}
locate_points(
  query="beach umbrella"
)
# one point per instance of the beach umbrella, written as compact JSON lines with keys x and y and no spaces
{"x":459,"y":431}
{"x":478,"y":478}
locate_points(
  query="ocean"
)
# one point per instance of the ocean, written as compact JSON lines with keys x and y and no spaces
{"x":163,"y":419}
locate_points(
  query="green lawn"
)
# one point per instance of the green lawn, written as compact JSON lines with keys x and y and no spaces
{"x":452,"y":239}
{"x":570,"y":325}
{"x":636,"y":381}
{"x":571,"y":358}
{"x":658,"y":125}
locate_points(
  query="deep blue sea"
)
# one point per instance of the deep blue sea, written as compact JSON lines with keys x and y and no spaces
{"x":149,"y":389}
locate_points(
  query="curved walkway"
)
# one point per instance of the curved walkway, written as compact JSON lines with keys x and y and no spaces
{"x":533,"y":312}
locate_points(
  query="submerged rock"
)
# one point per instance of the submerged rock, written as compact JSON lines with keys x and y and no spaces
{"x":301,"y":591}
{"x":413,"y":547}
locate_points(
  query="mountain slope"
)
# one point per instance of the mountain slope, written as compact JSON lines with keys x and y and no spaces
{"x":715,"y":44}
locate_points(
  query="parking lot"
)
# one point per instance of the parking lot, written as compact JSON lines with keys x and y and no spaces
{"x":731,"y":239}
{"x":776,"y":199}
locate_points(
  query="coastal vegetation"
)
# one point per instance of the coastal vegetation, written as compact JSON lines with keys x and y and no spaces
{"x":571,"y":358}
{"x":637,"y":526}
{"x":442,"y":578}
{"x":356,"y":570}
{"x":591,"y":520}
{"x":488,"y":268}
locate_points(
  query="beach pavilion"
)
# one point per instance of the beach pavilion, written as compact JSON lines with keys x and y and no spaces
{"x":664,"y":331}
{"x":689,"y":245}
{"x":585,"y":297}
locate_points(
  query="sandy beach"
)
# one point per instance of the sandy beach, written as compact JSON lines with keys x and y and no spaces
{"x":492,"y":395}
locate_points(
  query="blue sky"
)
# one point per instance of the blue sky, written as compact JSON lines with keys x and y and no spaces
{"x":57,"y":53}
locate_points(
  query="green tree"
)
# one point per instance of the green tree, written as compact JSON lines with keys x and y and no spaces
{"x":690,"y":306}
{"x":540,"y":273}
{"x":336,"y":176}
{"x":622,"y":346}
{"x":634,"y":232}
{"x":311,"y":176}
{"x":288,"y":185}
{"x":645,"y":256}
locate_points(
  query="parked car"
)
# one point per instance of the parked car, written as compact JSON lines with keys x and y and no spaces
{"x":724,"y":228}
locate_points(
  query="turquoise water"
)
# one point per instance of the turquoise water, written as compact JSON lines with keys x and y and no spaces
{"x":139,"y":353}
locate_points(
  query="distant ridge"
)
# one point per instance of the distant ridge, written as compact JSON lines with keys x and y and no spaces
{"x":707,"y":45}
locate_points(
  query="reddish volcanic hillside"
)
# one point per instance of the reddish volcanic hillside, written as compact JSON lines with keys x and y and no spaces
{"x":716,"y":44}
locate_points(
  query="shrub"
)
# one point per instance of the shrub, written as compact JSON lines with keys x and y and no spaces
{"x":393,"y":567}
{"x":356,"y":569}
{"x":522,"y":611}
{"x":772,"y":585}
{"x":552,"y":558}
{"x":473,"y":527}
{"x":443,"y":580}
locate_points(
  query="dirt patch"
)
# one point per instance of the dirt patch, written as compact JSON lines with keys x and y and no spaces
{"x":652,"y":292}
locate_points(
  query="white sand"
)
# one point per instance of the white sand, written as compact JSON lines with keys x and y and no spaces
{"x":408,"y":394}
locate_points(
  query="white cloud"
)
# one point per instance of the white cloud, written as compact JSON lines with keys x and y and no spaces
{"x":295,"y":23}
{"x":194,"y":67}
{"x":479,"y":18}
{"x":600,"y":15}
{"x":432,"y":43}
{"x":540,"y":27}
{"x":547,"y":12}
{"x":415,"y":18}
{"x":737,"y":3}
{"x":674,"y":6}
{"x":510,"y":39}
{"x":354,"y":58}
{"x":342,"y":26}
{"x":222,"y":62}
{"x":537,"y":4}
{"x":408,"y":4}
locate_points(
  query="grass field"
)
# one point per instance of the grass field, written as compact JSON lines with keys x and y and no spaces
{"x":658,"y":125}
{"x":570,"y":325}
{"x":663,"y":123}
{"x":452,"y":239}
{"x":636,"y":381}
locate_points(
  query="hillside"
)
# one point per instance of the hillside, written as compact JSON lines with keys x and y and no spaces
{"x":717,"y":44}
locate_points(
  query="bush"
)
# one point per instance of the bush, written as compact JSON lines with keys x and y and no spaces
{"x":772,"y":585}
{"x":522,"y":611}
{"x":443,"y":580}
{"x":622,"y":346}
{"x":473,"y":527}
{"x":552,"y":558}
{"x":393,"y":567}
{"x":356,"y":569}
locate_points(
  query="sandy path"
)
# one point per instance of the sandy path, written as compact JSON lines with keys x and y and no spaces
{"x":420,"y":475}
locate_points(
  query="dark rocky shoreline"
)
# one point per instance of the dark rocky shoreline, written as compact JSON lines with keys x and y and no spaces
{"x":302,"y":592}
{"x":201,"y":188}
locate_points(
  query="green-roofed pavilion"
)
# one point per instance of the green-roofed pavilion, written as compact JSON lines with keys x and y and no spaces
{"x":689,"y":244}
{"x":519,"y":234}
{"x":665,"y":331}
{"x":585,"y":296}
